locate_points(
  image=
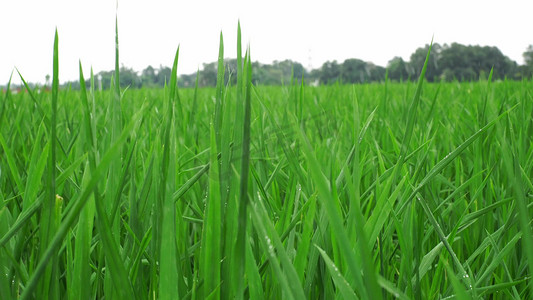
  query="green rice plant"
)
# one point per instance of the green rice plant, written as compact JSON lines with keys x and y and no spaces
{"x":48,"y":213}
{"x":381,"y":190}
{"x":169,"y":274}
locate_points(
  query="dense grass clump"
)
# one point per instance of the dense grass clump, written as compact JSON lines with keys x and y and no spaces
{"x":384,"y":190}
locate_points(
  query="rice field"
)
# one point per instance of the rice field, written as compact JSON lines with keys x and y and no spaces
{"x":375,"y":191}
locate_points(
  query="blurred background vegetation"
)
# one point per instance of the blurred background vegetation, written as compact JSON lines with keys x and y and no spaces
{"x":447,"y":62}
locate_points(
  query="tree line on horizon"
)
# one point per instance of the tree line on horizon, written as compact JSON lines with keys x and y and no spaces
{"x":446,"y":62}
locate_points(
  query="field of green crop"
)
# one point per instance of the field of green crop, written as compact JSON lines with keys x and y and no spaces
{"x":376,"y":191}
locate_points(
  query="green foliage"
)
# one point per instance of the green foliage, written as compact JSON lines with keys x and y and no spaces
{"x":446,"y":62}
{"x":398,"y":69}
{"x":367,"y":191}
{"x":461,"y":62}
{"x":527,"y":69}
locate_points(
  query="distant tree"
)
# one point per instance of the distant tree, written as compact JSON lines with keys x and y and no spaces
{"x":527,"y":69}
{"x":492,"y":57}
{"x":528,"y":55}
{"x":285,"y":71}
{"x":449,"y":62}
{"x":418,"y":58}
{"x":105,"y":78}
{"x":279,"y":72}
{"x":313,"y":76}
{"x":208,"y":75}
{"x":72,"y":85}
{"x":354,"y":71}
{"x":289,"y":68}
{"x":455,"y":62}
{"x":298,"y":69}
{"x":128,"y":77}
{"x":510,"y":69}
{"x":163,"y":75}
{"x":187,"y":80}
{"x":267,"y":74}
{"x":398,"y":69}
{"x":148,"y":76}
{"x":330,"y":72}
{"x":376,"y":73}
{"x":231,"y":71}
{"x":468,"y":62}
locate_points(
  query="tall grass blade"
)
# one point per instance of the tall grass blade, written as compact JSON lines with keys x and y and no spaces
{"x":48,"y":213}
{"x":168,"y":284}
{"x":82,"y":271}
{"x":245,"y":168}
{"x":211,"y":232}
{"x":219,"y":92}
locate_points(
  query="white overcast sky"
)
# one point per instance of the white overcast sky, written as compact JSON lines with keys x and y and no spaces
{"x":310,"y":32}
